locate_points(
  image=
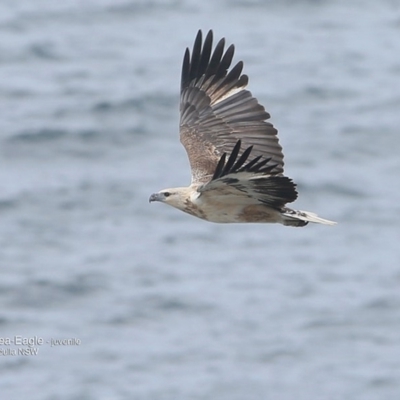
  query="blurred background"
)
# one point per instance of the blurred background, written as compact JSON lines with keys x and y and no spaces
{"x":166,"y":306}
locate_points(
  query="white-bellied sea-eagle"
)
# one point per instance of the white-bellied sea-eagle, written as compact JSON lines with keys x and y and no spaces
{"x":234,"y":154}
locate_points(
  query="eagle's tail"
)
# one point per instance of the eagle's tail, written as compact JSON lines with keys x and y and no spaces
{"x":302,"y":218}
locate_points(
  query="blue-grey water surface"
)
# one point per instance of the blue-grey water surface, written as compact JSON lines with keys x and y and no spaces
{"x":165,"y":306}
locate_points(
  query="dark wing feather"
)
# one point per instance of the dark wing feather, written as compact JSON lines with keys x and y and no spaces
{"x":216,"y":111}
{"x":255,"y":178}
{"x":234,"y":165}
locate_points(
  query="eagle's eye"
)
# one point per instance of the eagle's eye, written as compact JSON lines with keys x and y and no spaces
{"x":166,"y":194}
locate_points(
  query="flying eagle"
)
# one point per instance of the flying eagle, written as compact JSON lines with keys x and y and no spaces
{"x":234,"y":154}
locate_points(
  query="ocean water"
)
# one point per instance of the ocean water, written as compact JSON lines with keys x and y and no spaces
{"x":119,"y":299}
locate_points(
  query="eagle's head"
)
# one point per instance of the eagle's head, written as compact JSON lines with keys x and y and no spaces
{"x":175,"y":197}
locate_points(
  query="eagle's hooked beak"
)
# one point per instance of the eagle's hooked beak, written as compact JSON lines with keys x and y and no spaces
{"x":155,"y":197}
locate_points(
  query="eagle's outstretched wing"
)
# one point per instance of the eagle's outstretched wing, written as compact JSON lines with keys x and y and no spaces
{"x":216,"y":112}
{"x":254,"y":180}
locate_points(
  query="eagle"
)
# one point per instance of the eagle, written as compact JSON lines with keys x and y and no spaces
{"x":234,"y":153}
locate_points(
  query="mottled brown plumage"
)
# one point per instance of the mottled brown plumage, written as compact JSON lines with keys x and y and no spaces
{"x":216,"y":111}
{"x":234,"y":153}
